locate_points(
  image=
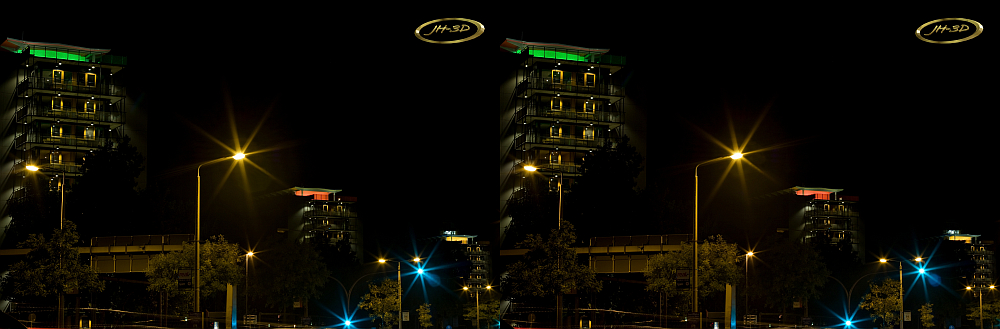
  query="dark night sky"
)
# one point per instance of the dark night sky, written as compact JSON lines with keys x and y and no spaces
{"x":400,"y":123}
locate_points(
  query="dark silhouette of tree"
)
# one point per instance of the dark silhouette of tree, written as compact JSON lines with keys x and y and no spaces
{"x":606,"y":190}
{"x":105,"y":198}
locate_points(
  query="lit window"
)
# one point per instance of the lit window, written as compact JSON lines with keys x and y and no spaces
{"x":90,"y":107}
{"x":58,"y":76}
{"x":588,"y":133}
{"x":57,"y":104}
{"x":56,"y":131}
{"x":55,"y":157}
{"x":555,"y":131}
{"x":91,"y":79}
{"x":326,"y":208}
{"x":556,"y":104}
{"x":590,"y":79}
{"x":588,"y":107}
{"x":89,"y":133}
{"x":557,"y":76}
{"x":555,"y":158}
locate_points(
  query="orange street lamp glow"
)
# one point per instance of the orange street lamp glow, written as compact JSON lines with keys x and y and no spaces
{"x":736,"y":156}
{"x":32,"y":168}
{"x":530,"y":168}
{"x":239,"y":156}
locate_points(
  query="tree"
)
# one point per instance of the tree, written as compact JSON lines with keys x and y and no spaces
{"x":220,"y":265}
{"x":489,"y":309}
{"x":281,"y":286}
{"x":717,"y":266}
{"x":607,"y":177}
{"x":883,"y":301}
{"x":794,"y":271}
{"x":926,"y":318}
{"x":109,"y":180}
{"x":550,"y":266}
{"x":425,"y":315}
{"x":382,"y":301}
{"x":991,"y":311}
{"x":51,"y":267}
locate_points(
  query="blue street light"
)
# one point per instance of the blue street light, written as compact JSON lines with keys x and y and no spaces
{"x":848,"y":323}
{"x":347,"y":323}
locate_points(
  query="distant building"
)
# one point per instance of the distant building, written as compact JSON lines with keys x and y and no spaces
{"x":979,"y":255}
{"x":475,"y":254}
{"x":64,"y":103}
{"x":829,"y":218}
{"x":327,"y":218}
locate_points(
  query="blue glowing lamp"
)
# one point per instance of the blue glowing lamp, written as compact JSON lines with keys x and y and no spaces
{"x":848,"y":323}
{"x":347,"y":323}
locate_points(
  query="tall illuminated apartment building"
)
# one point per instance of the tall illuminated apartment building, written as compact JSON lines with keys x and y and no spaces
{"x":61,"y":103}
{"x":558,"y":104}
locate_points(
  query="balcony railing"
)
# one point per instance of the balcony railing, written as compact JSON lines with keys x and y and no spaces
{"x":330,"y":213}
{"x":603,"y":116}
{"x":570,"y":85}
{"x":565,"y":140}
{"x":62,"y":141}
{"x":69,"y":86}
{"x":69,"y":113}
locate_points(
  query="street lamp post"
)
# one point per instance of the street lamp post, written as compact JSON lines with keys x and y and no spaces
{"x":735,"y":156}
{"x":980,"y":303}
{"x":477,"y":303}
{"x":559,"y":295}
{"x":62,"y":218}
{"x":247,"y":302}
{"x":197,"y":245}
{"x":399,"y":281}
{"x":883,"y":260}
{"x":746,"y":277}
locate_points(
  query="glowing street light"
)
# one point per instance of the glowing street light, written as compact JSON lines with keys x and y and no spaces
{"x":197,"y":245}
{"x":980,"y":303}
{"x":735,"y":156}
{"x":477,"y":302}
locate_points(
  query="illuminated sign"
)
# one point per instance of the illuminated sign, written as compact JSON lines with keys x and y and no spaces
{"x":949,"y":30}
{"x":449,"y":30}
{"x":449,"y":232}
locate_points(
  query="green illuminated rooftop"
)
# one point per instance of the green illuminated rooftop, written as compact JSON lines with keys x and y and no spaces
{"x":562,"y":52}
{"x":61,"y":51}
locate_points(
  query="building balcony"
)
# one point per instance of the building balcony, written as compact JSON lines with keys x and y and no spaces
{"x":830,"y":213}
{"x":330,"y":213}
{"x":564,"y":140}
{"x":71,"y":87}
{"x":25,"y":114}
{"x":577,"y":86}
{"x":526,"y":114}
{"x":70,"y":141}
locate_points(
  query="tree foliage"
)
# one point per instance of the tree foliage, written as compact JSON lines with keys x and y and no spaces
{"x":550,"y":266}
{"x":50,"y":267}
{"x":489,"y":309}
{"x":717,"y":266}
{"x":883,"y":301}
{"x":607,"y":177}
{"x":292,"y":271}
{"x":926,"y":315}
{"x":109,"y":173}
{"x":991,"y":311}
{"x":382,"y":301}
{"x":425,"y":315}
{"x":793,"y":271}
{"x":221,"y":264}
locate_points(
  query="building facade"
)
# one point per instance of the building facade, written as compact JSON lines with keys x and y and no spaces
{"x":558,"y":104}
{"x":327,"y":218}
{"x":475,"y":254}
{"x":823,"y":216}
{"x":979,"y":256}
{"x":63,"y":104}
